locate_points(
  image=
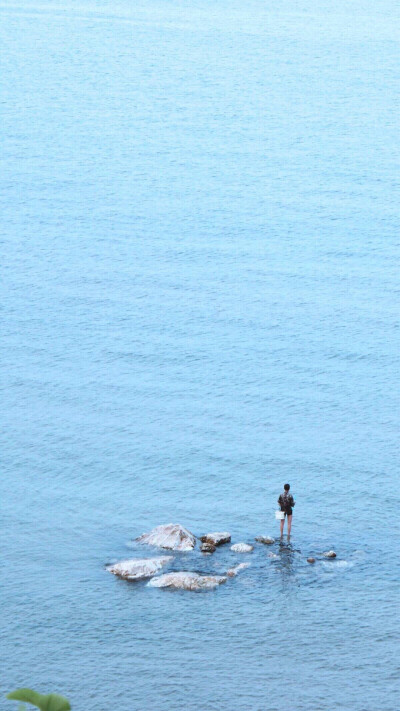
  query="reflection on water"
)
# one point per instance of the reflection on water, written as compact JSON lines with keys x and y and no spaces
{"x":287,"y":560}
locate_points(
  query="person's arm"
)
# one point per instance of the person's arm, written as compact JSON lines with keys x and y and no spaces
{"x":292,"y":502}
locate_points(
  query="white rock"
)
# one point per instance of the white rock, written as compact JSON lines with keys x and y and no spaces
{"x":187,"y":581}
{"x":329,"y":554}
{"x":171,"y":536}
{"x":217,"y":538}
{"x":241,"y":548}
{"x":232,"y":572}
{"x":265,"y":539}
{"x":136,"y":569}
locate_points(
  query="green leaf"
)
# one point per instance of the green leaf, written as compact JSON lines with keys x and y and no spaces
{"x":51,"y":702}
{"x":55,"y":702}
{"x":32,"y":697}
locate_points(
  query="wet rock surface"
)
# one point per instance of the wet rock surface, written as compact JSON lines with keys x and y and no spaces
{"x":267,"y":540}
{"x":187,"y":581}
{"x":172,"y":536}
{"x":242,"y":548}
{"x":329,"y":554}
{"x":208,"y":548}
{"x":232,"y":572}
{"x":216,"y":538}
{"x":138,"y":569}
{"x":311,"y":560}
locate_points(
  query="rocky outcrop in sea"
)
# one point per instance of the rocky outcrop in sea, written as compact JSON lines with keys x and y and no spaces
{"x":187,"y":581}
{"x":139,"y":568}
{"x":172,"y":536}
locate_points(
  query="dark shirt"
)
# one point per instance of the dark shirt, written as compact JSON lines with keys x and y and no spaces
{"x":286,"y":502}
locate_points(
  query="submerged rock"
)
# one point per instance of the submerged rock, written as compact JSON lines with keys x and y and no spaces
{"x":232,"y":572}
{"x":358,"y":554}
{"x":341,"y":564}
{"x":137,"y":569}
{"x":329,"y":554}
{"x":216,"y":539}
{"x":310,"y":560}
{"x":207,"y":548}
{"x":242,"y":548}
{"x":171,"y":536}
{"x":265,"y":539}
{"x":187,"y":581}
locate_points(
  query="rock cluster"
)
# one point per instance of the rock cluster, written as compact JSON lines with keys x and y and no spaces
{"x":173,"y":536}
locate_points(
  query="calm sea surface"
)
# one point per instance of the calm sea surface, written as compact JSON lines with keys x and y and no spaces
{"x":200,"y":302}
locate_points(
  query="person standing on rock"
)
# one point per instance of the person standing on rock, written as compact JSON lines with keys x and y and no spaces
{"x":286,"y":502}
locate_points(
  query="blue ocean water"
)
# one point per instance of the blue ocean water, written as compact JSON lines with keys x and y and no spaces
{"x":200,"y":302}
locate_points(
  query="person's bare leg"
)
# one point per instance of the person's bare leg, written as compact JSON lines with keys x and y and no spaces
{"x":289,"y":525}
{"x":282,"y":525}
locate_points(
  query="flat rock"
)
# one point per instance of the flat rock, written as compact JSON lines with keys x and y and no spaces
{"x":242,"y":548}
{"x":137,"y":569}
{"x":265,"y":539}
{"x":232,"y":572}
{"x":329,"y":554}
{"x":171,"y":536}
{"x":310,"y":560}
{"x":216,"y":538}
{"x":187,"y":581}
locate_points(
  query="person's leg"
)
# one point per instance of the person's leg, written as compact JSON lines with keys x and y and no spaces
{"x":289,"y":524}
{"x":282,"y":525}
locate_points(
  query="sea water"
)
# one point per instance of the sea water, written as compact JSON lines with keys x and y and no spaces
{"x":200,"y":303}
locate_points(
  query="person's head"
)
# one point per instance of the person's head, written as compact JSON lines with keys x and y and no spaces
{"x":287,"y":487}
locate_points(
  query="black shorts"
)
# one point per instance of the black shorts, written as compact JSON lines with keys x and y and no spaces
{"x":288,"y":512}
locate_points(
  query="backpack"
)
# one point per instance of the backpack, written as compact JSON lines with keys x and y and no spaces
{"x":286,"y":501}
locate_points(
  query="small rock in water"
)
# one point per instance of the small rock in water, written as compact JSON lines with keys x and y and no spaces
{"x":329,"y":554}
{"x":207,"y":548}
{"x":187,"y":581}
{"x":137,"y":569}
{"x":310,"y":560}
{"x":171,"y":536}
{"x":265,"y":539}
{"x":216,"y":539}
{"x":273,"y":555}
{"x":232,"y":572}
{"x":241,"y":548}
